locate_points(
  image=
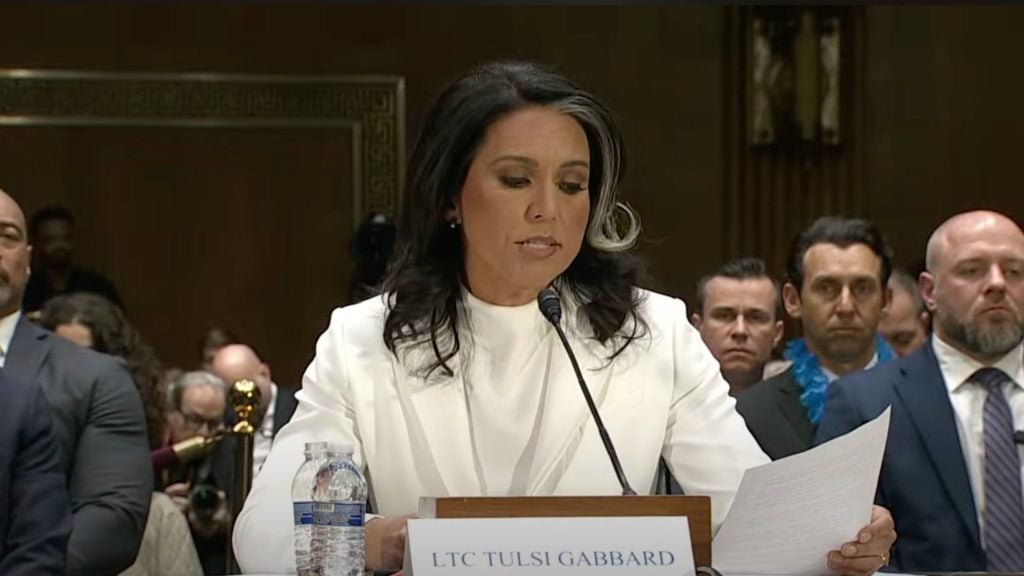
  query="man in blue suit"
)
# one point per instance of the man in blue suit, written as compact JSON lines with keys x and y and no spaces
{"x":35,"y":515}
{"x":951,"y":475}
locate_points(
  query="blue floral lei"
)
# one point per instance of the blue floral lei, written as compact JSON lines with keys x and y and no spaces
{"x":811,"y":378}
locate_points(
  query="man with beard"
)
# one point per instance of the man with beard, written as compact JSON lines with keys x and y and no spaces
{"x":836,"y":272}
{"x":952,"y":473}
{"x":98,"y":420}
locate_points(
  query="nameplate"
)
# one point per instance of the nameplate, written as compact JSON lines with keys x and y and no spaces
{"x":638,"y":546}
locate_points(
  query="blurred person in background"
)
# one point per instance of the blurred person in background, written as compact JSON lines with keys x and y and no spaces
{"x":371,"y":248}
{"x":197,"y":403}
{"x":54,"y":272}
{"x":212,"y":340}
{"x":94,"y":322}
{"x":905,"y":324}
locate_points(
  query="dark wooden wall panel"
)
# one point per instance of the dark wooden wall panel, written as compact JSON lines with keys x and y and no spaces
{"x":242,"y":228}
{"x":659,"y":67}
{"x":943,"y":94}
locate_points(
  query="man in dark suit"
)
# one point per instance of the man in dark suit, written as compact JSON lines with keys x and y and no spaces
{"x":35,"y":515}
{"x":837,"y":272}
{"x":951,"y":475}
{"x":98,"y":419}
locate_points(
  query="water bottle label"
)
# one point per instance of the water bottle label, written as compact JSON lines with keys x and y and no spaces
{"x":303,"y":513}
{"x":339,"y":514}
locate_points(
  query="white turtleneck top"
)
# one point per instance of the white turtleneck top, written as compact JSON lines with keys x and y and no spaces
{"x":505,"y":378}
{"x":510,"y":420}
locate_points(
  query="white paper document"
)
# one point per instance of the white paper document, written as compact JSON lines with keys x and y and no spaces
{"x":790,"y":513}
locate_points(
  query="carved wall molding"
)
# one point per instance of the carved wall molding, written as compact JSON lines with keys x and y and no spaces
{"x":371,"y":107}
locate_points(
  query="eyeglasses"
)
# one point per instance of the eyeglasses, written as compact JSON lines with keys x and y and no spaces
{"x":196,"y":422}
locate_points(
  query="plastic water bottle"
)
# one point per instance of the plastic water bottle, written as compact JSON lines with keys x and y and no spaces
{"x":302,"y":506}
{"x":339,"y":514}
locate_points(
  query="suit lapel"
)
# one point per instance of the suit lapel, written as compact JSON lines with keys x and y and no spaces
{"x":794,"y":413}
{"x":29,"y":348}
{"x":923,"y":392}
{"x":565,"y":418}
{"x":438,"y":425}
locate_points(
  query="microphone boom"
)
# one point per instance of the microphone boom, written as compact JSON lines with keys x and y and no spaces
{"x":551,"y":307}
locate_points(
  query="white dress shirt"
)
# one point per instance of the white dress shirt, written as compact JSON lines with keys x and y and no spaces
{"x":968,"y":399}
{"x":832,"y":376}
{"x":7,"y":325}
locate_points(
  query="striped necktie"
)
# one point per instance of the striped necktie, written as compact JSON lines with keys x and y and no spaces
{"x":1004,"y":510}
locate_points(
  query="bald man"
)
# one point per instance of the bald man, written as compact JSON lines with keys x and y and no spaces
{"x":952,"y":473}
{"x":97,"y":414}
{"x":236,"y":362}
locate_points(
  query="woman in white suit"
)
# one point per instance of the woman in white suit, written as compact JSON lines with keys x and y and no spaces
{"x":453,"y":383}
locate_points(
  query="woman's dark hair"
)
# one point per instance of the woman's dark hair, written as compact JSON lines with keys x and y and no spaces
{"x":423,"y":285}
{"x":112,"y":334}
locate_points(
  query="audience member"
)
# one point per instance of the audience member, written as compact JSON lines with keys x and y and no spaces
{"x":35,"y":514}
{"x":455,"y":384}
{"x":737,"y":318}
{"x":236,"y":362}
{"x":371,"y":248}
{"x":836,"y":287}
{"x":92,"y":321}
{"x":905,"y":322}
{"x":214,"y":339}
{"x":54,"y":271}
{"x":197,"y":404}
{"x":98,"y":418}
{"x":951,"y":473}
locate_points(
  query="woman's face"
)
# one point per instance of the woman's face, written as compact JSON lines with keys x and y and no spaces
{"x":75,"y":332}
{"x":523,"y":209}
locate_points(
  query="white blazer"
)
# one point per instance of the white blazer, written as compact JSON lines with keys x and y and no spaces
{"x":663,"y":396}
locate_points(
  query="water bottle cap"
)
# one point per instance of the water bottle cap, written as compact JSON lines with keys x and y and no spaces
{"x":315,"y":447}
{"x":339,"y":448}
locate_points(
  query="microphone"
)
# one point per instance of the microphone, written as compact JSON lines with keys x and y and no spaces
{"x":551,"y":308}
{"x":1018,"y":437}
{"x":184,"y":451}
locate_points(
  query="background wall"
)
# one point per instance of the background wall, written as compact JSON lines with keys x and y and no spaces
{"x":659,"y":68}
{"x":939,"y":99}
{"x":944,"y":116}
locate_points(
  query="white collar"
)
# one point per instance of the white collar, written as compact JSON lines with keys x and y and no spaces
{"x":957,"y":367}
{"x":7,"y":326}
{"x":832,"y":377}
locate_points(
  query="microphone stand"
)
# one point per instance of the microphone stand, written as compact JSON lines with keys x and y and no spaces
{"x":551,"y":308}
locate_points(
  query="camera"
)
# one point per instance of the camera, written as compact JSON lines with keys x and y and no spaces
{"x":203,"y":500}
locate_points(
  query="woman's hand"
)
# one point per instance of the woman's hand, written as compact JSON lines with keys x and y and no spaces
{"x":385,"y":542}
{"x":871,"y":550}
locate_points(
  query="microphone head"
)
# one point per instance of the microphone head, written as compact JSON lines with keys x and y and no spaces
{"x":550,"y":305}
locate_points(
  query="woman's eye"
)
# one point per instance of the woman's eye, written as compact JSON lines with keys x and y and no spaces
{"x":571,"y":187}
{"x":514,"y":181}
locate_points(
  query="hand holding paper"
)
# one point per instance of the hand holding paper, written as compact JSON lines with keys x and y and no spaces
{"x":790,"y":513}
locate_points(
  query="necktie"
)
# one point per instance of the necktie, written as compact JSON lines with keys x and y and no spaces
{"x":1004,"y":510}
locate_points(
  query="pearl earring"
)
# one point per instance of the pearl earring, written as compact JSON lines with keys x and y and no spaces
{"x":452,"y":224}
